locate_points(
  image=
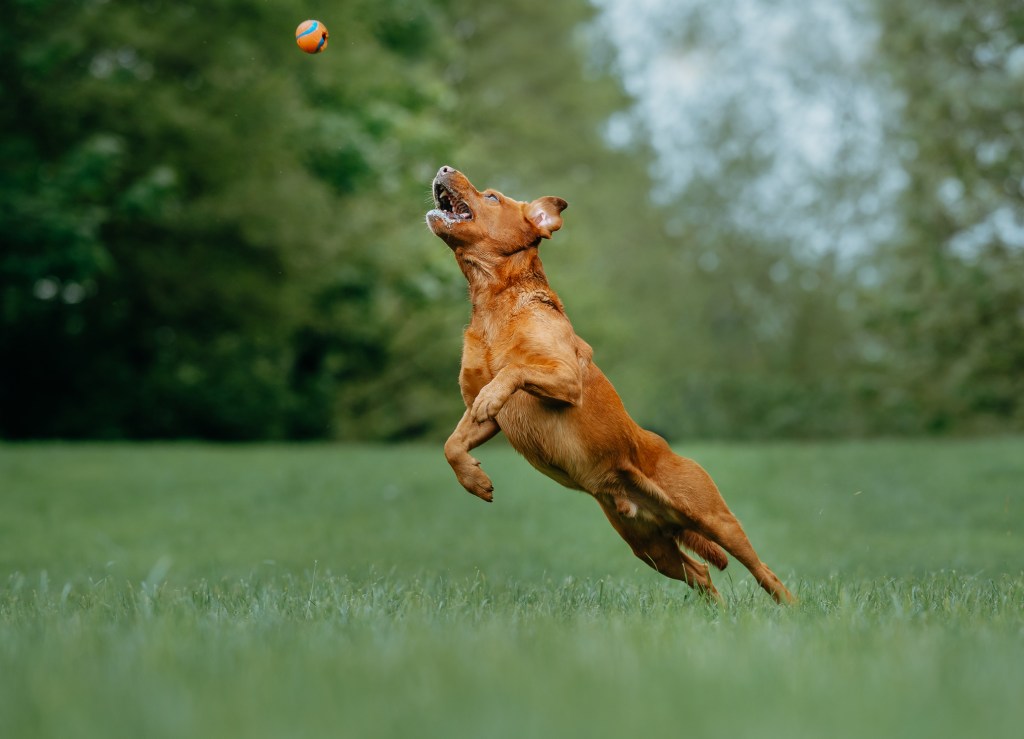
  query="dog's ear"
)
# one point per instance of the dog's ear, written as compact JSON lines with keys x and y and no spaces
{"x":545,"y":214}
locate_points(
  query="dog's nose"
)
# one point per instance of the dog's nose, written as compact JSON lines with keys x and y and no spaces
{"x":445,"y":170}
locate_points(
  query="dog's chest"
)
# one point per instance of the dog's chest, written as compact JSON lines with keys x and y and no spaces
{"x":483,"y":355}
{"x":476,"y":364}
{"x":485,"y":344}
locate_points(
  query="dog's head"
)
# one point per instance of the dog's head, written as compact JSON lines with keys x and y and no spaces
{"x":464,"y":216}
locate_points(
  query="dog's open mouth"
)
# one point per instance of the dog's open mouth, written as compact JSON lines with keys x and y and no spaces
{"x":451,"y":204}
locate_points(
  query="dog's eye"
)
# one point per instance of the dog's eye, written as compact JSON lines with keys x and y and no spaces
{"x":492,"y":196}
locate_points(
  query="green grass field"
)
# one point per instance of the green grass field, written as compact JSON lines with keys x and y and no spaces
{"x":307,"y":591}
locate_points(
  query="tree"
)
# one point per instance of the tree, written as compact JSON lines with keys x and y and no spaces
{"x":749,"y":114}
{"x":195,"y":242}
{"x":947,"y":325}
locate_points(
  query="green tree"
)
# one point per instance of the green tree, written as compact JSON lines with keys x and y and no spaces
{"x":737,"y":325}
{"x":200,"y":221}
{"x":946,"y":333}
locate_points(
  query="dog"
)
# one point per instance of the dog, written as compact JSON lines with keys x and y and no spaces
{"x":526,"y":373}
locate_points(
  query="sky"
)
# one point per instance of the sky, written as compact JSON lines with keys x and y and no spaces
{"x":786,"y":80}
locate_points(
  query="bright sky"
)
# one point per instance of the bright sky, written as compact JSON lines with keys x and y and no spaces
{"x":782,"y":77}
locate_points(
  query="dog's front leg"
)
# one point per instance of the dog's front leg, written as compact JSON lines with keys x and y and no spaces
{"x":556,"y":381}
{"x":468,"y":435}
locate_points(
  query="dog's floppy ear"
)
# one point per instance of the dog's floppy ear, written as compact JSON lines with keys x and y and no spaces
{"x":545,"y":214}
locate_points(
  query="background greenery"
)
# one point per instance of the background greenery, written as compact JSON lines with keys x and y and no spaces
{"x":318,"y":590}
{"x":209,"y":234}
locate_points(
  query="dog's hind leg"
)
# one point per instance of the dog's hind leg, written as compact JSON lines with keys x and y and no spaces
{"x":469,"y":434}
{"x":704,"y":506}
{"x":658,"y":549}
{"x":722,"y":527}
{"x":705,"y":548}
{"x":689,"y":490}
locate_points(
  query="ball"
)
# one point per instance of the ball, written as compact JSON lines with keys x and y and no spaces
{"x":311,"y":36}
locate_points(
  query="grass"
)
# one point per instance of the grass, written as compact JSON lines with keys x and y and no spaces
{"x":276,"y":591}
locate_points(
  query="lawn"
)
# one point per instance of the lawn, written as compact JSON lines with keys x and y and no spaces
{"x":192,"y":590}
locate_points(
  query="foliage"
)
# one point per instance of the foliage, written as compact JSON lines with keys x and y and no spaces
{"x":201,"y":222}
{"x":207,"y":233}
{"x":947,"y":320}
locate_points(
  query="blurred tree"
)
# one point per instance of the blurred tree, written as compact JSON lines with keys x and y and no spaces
{"x":200,"y":221}
{"x":946,"y":328}
{"x":207,"y":233}
{"x":741,"y":325}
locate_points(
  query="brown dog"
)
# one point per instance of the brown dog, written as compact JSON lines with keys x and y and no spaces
{"x":526,"y":372}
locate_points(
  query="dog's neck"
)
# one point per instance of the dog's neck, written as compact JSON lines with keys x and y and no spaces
{"x":489,"y":277}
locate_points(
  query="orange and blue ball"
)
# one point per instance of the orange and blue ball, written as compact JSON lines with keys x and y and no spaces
{"x":311,"y":36}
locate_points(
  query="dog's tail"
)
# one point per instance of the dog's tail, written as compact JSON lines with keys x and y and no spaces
{"x":705,"y":548}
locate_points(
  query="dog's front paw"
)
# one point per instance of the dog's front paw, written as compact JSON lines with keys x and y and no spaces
{"x":488,"y":402}
{"x":476,"y":481}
